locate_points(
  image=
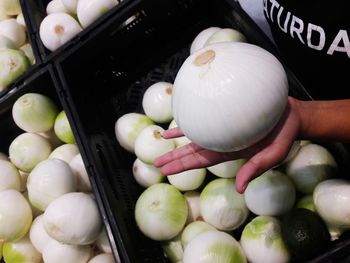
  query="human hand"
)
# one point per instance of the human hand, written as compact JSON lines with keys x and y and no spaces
{"x":260,"y":157}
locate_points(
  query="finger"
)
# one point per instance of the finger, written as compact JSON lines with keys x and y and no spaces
{"x":172,"y":133}
{"x":187,"y":149}
{"x":260,"y":163}
{"x":201,"y":158}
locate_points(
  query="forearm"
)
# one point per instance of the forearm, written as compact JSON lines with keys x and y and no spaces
{"x":324,"y":120}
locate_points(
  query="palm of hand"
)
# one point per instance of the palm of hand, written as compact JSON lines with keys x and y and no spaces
{"x":260,"y":157}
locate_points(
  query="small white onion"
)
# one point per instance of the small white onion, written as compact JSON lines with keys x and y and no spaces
{"x":9,"y":176}
{"x":23,"y":180}
{"x":22,"y":249}
{"x":146,"y":174}
{"x":128,"y":127}
{"x":14,"y":31}
{"x":49,"y":180}
{"x":312,"y":164}
{"x":221,"y":206}
{"x":262,"y":241}
{"x":38,"y":235}
{"x":193,"y":204}
{"x":188,"y":180}
{"x":10,"y":7}
{"x":13,"y":63}
{"x":15,"y":215}
{"x":225,"y":35}
{"x":270,"y":194}
{"x":78,"y":167}
{"x":156,"y":102}
{"x":179,"y":141}
{"x":213,"y":246}
{"x":150,"y":144}
{"x":28,"y":51}
{"x":20,"y":20}
{"x":52,"y":138}
{"x":70,"y":5}
{"x":27,"y":150}
{"x":35,"y":211}
{"x":227,"y":169}
{"x":65,"y":152}
{"x":102,"y":258}
{"x":194,"y":229}
{"x":34,"y":112}
{"x":56,"y":6}
{"x":90,"y":10}
{"x":57,"y":29}
{"x":331,"y":199}
{"x":306,"y":202}
{"x":56,"y":252}
{"x":63,"y":129}
{"x":202,"y":37}
{"x":173,"y":249}
{"x":5,"y":42}
{"x":161,"y":212}
{"x":67,"y":224}
{"x":102,"y":242}
{"x":240,"y":88}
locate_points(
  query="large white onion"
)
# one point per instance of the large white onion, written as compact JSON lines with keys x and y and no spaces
{"x":331,"y":199}
{"x":15,"y":215}
{"x":161,"y":212}
{"x":214,"y":247}
{"x":270,"y":194}
{"x":230,"y":95}
{"x":222,"y":206}
{"x":66,"y":223}
{"x":312,"y":164}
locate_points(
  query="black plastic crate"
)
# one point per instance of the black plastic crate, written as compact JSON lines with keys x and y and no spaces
{"x":105,"y":75}
{"x":35,"y":11}
{"x":42,"y":80}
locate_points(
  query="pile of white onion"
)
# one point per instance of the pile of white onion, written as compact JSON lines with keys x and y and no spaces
{"x":66,"y":18}
{"x":14,"y":44}
{"x":43,"y":182}
{"x":195,"y":211}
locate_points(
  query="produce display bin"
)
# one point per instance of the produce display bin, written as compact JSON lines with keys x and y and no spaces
{"x":42,"y":80}
{"x":35,"y":12}
{"x":104,"y":76}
